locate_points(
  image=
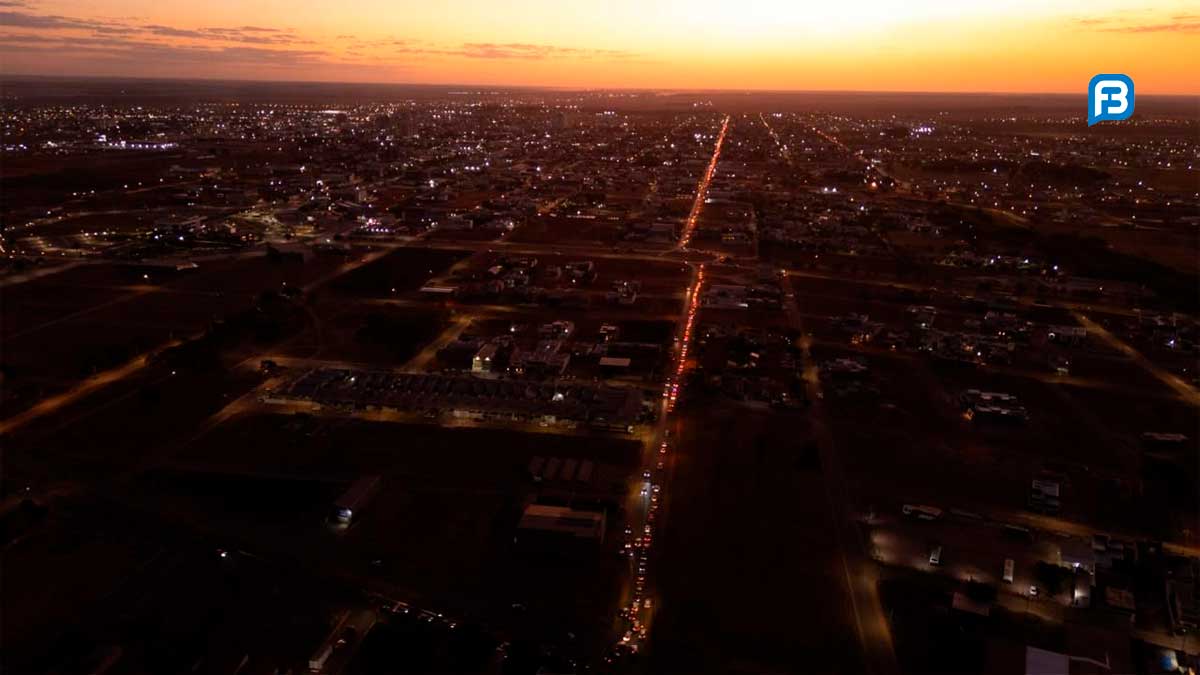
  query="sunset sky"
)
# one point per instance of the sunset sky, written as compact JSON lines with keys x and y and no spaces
{"x":908,"y":45}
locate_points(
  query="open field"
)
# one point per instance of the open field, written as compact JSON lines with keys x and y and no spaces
{"x":369,"y":334}
{"x":401,"y":270}
{"x":124,"y":315}
{"x":565,"y":229}
{"x":453,"y":494}
{"x":747,"y":521}
{"x":185,"y":597}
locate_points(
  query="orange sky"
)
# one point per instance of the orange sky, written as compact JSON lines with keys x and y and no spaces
{"x":910,"y":45}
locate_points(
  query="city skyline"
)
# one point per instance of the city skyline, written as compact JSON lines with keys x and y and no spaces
{"x":930,"y":46}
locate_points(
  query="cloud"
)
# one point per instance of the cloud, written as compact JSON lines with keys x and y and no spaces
{"x":168,"y":31}
{"x":517,"y":50}
{"x":132,"y":40}
{"x":134,"y":51}
{"x":254,"y":35}
{"x":1179,"y":23}
{"x":503,"y":51}
{"x":247,"y":34}
{"x":24,"y":38}
{"x":1183,"y":23}
{"x":258,"y":35}
{"x":47,"y":21}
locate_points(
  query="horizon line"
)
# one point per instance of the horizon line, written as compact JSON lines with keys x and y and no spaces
{"x":564,"y":88}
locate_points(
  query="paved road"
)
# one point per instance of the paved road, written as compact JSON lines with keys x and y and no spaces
{"x":874,"y":633}
{"x":14,"y":279}
{"x":702,"y":189}
{"x":644,"y":601}
{"x":98,"y":381}
{"x":1185,"y":390}
{"x":102,"y":379}
{"x":646,"y":504}
{"x":976,"y":549}
{"x":452,"y":332}
{"x":345,"y":644}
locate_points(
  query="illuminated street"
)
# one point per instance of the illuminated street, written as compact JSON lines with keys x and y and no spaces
{"x":540,"y":338}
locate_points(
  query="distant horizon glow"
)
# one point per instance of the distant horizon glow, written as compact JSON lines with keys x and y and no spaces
{"x":765,"y":45}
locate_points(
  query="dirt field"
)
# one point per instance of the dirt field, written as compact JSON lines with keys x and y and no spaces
{"x":377,"y":335}
{"x":559,"y":229}
{"x":404,"y":269}
{"x":453,"y":494}
{"x":43,"y":319}
{"x":747,"y":522}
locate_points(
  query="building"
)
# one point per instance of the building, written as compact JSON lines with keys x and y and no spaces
{"x":1044,"y":494}
{"x":485,"y":358}
{"x":1072,"y":335}
{"x":725,"y":296}
{"x":563,"y":521}
{"x":547,"y":358}
{"x":557,"y":329}
{"x":615,"y":365}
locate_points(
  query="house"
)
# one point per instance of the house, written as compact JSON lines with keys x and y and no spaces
{"x":485,"y":358}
